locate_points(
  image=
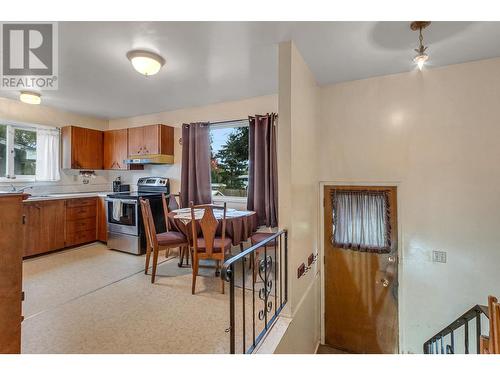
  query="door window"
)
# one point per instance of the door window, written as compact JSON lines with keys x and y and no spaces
{"x":361,"y":220}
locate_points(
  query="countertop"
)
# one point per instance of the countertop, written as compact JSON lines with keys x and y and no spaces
{"x":47,"y":197}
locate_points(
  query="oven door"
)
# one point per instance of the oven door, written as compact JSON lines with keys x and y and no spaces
{"x":125,"y":219}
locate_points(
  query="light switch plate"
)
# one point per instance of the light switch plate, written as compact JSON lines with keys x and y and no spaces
{"x":439,"y":256}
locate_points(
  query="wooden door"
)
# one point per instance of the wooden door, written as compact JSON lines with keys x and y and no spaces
{"x":361,"y":287}
{"x":115,"y":149}
{"x":10,"y":273}
{"x":44,"y":226}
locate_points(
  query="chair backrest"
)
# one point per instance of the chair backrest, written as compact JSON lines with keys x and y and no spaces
{"x":169,"y":206}
{"x":208,"y":224}
{"x":149,"y":225}
{"x":175,"y":201}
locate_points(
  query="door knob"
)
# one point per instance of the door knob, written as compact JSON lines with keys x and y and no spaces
{"x":391,"y":259}
{"x":384,"y":282}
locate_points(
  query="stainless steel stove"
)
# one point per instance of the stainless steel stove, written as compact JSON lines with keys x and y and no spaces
{"x":125,"y":227}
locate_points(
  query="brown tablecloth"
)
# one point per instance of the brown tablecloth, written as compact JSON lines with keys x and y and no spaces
{"x":240,"y":229}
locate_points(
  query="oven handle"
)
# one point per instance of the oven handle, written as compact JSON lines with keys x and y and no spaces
{"x":127,"y":201}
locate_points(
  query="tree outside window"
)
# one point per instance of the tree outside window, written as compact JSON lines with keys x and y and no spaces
{"x":229,"y":160}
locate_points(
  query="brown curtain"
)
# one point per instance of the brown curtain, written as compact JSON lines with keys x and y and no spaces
{"x":262,"y":171}
{"x":195,"y":172}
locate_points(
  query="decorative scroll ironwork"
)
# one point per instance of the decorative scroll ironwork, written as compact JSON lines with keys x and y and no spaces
{"x":275,"y":251}
{"x":265,"y":266}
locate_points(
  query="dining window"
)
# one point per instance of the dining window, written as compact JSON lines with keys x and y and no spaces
{"x":229,"y":159}
{"x":362,"y":220}
{"x":18,"y":148}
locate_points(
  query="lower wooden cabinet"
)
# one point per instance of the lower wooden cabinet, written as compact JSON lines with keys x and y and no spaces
{"x":81,"y":221}
{"x":56,"y":224}
{"x":102,"y":223}
{"x":44,"y":228}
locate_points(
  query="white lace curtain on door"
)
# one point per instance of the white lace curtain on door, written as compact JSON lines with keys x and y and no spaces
{"x":361,"y":220}
{"x":47,"y":155}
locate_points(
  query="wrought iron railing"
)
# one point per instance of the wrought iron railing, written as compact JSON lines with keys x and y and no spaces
{"x":443,"y":342}
{"x":262,"y":275}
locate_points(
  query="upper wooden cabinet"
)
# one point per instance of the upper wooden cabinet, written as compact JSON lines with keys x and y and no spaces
{"x":82,"y":148}
{"x":151,"y":140}
{"x":115,"y":149}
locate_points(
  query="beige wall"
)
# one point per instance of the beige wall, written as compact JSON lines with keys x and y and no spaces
{"x":234,"y":110}
{"x":436,"y":134}
{"x":298,"y":193}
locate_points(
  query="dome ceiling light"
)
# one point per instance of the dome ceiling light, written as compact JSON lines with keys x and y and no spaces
{"x":30,"y":97}
{"x":421,"y":57}
{"x":146,"y":62}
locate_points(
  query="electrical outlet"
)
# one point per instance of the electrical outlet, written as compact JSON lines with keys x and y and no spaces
{"x":439,"y":256}
{"x":310,"y":259}
{"x":301,"y":270}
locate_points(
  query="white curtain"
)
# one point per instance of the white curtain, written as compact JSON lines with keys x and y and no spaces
{"x":47,"y":155}
{"x":361,"y":220}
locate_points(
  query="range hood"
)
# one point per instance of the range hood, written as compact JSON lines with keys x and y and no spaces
{"x":150,"y":159}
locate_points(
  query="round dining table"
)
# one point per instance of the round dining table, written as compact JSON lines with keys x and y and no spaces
{"x":240,"y":225}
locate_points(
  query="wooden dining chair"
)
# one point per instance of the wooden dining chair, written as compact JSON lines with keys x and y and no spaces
{"x":255,"y":239}
{"x":209,"y":246}
{"x":174,"y":201}
{"x":168,"y":206}
{"x":156,"y":242}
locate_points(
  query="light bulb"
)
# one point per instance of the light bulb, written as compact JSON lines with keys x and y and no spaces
{"x":420,"y":60}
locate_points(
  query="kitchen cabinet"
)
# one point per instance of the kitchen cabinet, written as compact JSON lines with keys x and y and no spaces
{"x":151,"y":140}
{"x":102,"y":223}
{"x":116,"y":150}
{"x":11,"y":268}
{"x":81,"y":221}
{"x":82,"y":148}
{"x":44,"y":223}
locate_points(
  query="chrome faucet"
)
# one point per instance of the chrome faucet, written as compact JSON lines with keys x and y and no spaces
{"x":21,"y":189}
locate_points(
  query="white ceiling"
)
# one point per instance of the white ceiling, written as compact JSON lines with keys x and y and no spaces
{"x":210,"y":62}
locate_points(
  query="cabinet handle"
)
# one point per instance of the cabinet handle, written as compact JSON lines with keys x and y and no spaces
{"x":24,"y":219}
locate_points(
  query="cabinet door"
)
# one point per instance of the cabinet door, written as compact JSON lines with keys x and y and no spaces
{"x":32,"y":227}
{"x":102,"y":224}
{"x":151,"y":140}
{"x":91,"y":153}
{"x":109,"y":151}
{"x":115,"y":149}
{"x":44,"y":226}
{"x":82,"y":148}
{"x":135,"y":141}
{"x":166,"y":140}
{"x":53,"y":222}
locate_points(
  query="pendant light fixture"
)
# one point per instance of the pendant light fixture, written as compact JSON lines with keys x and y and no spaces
{"x":30,"y":97}
{"x":146,"y":62}
{"x":421,"y":57}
